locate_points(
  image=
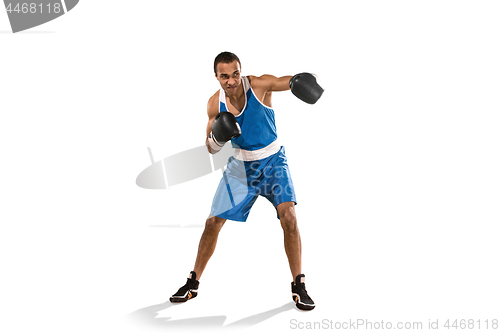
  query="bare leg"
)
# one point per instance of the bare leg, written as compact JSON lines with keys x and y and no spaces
{"x":293,"y":245}
{"x":207,"y":245}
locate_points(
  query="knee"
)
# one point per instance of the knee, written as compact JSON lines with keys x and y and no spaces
{"x":289,"y":220}
{"x":214,"y":224}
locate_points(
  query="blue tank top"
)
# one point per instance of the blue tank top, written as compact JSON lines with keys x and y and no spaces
{"x":258,"y":128}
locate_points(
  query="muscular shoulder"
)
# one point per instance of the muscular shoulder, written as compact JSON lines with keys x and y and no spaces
{"x":260,"y":81}
{"x":264,"y":82}
{"x":270,"y":83}
{"x":213,"y":105}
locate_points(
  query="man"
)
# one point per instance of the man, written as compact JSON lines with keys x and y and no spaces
{"x":241,"y":111}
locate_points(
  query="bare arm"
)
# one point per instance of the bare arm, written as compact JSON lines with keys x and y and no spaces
{"x":271,"y":83}
{"x":305,"y":87}
{"x":212,"y":111}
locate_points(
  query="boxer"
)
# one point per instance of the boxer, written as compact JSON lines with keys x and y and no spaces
{"x":241,"y":112}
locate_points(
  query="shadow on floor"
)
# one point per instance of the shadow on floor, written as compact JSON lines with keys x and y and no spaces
{"x":148,"y":316}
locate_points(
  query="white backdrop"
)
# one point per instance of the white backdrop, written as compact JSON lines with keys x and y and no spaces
{"x":395,"y":168}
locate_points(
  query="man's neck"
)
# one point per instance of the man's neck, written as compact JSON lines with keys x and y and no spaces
{"x":238,"y":96}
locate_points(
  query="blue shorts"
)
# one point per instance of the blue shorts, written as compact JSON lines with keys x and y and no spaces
{"x":244,"y":181}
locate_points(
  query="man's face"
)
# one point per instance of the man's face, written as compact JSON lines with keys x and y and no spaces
{"x":229,"y":77}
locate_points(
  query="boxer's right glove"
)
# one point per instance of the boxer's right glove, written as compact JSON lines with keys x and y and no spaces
{"x":305,"y":87}
{"x":224,"y":128}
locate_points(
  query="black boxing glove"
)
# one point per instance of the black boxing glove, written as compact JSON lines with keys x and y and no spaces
{"x":224,"y":128}
{"x":305,"y":87}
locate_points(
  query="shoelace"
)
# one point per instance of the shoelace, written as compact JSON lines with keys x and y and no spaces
{"x":302,"y":287}
{"x":182,"y":290}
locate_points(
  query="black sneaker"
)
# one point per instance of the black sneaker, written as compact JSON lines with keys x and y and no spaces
{"x":299,"y":294}
{"x":188,"y":291}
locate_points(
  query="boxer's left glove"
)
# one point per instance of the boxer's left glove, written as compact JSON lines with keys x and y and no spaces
{"x":306,"y":88}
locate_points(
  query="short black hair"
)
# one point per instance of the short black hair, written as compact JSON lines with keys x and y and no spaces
{"x":225,"y":58}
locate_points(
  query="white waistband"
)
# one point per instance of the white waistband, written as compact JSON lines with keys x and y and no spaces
{"x":253,"y":155}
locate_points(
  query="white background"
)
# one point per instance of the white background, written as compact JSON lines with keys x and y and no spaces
{"x":395,"y":168}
